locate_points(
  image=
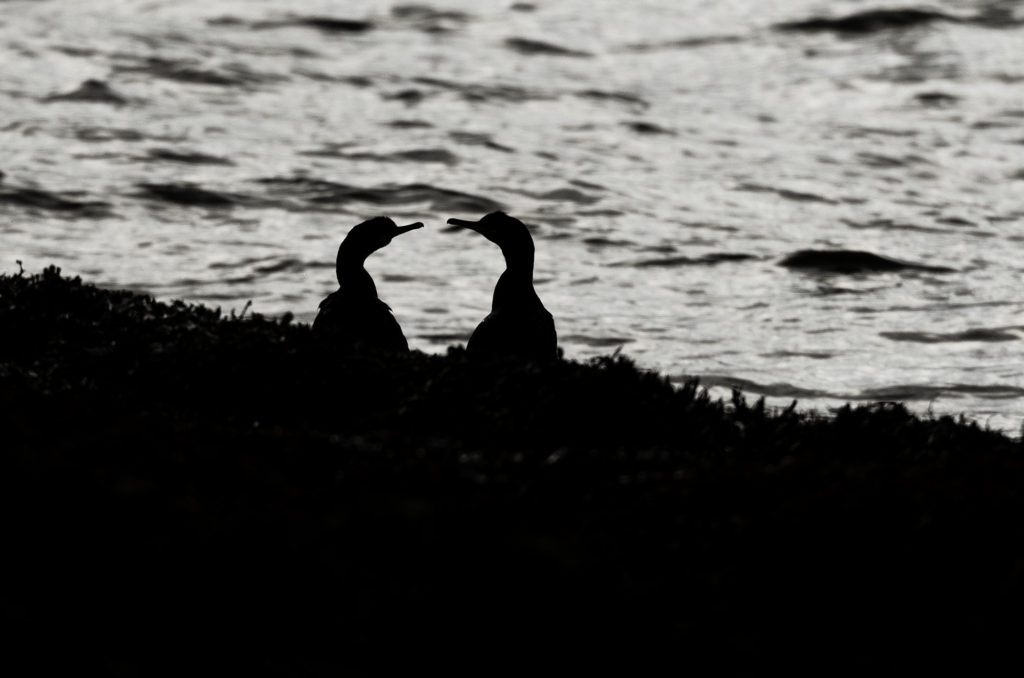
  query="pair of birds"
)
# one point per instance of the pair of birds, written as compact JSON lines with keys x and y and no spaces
{"x":518,"y":325}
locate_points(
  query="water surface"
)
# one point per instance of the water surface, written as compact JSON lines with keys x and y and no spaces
{"x":668,"y":154}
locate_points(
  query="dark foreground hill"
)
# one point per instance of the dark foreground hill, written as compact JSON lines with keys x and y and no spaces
{"x":185,"y":491}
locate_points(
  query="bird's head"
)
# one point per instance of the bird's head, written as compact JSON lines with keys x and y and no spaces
{"x":366,"y":238}
{"x":508,"y":233}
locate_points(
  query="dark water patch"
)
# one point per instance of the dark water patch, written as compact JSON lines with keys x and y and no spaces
{"x":904,"y":392}
{"x":641,"y":127}
{"x":324,"y":24}
{"x":799,"y":196}
{"x":601,"y":213}
{"x":596,"y":342}
{"x":397,"y":277}
{"x":684,"y":43}
{"x":936,"y":99}
{"x":814,"y":355}
{"x":470,"y":91}
{"x":567,"y":195}
{"x":291,"y":265}
{"x":226,"y":21}
{"x":891,"y":225}
{"x":186,"y":157}
{"x":440,"y":155}
{"x":477,"y":139}
{"x":561,"y":222}
{"x":660,"y":249}
{"x":320,"y":194}
{"x":868,"y":21}
{"x":708,"y":226}
{"x":409,"y":124}
{"x":360,"y":81}
{"x":104,"y":134}
{"x":187,"y":194}
{"x":774,"y":390}
{"x":978,"y":334}
{"x":429,"y":19}
{"x":861,"y":132}
{"x":76,"y":51}
{"x":110,"y":155}
{"x":587,"y":184}
{"x":1003,"y":218}
{"x":673,"y":262}
{"x":539,"y":47}
{"x":355,"y":80}
{"x":66,"y":204}
{"x":853,"y":261}
{"x":956,"y":221}
{"x":190,"y":71}
{"x":90,"y":91}
{"x":242,"y":263}
{"x":601,"y":241}
{"x":410,"y":96}
{"x":617,"y":97}
{"x":522,"y":7}
{"x":995,"y":124}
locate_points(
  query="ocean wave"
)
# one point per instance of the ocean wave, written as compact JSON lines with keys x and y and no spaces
{"x":441,"y":155}
{"x":90,"y":91}
{"x":932,"y":392}
{"x":325,"y":24}
{"x":631,"y":100}
{"x":188,"y":195}
{"x":869,"y":21}
{"x":596,"y":341}
{"x":477,"y":139}
{"x":476,"y":91}
{"x":853,"y":261}
{"x":684,"y":43}
{"x":66,"y":204}
{"x":185,"y":157}
{"x":429,"y":19}
{"x":876,"y":20}
{"x":314,"y":193}
{"x":641,"y":127}
{"x":672,"y":262}
{"x":193,"y":71}
{"x":788,"y":194}
{"x":977,"y":334}
{"x":539,"y":47}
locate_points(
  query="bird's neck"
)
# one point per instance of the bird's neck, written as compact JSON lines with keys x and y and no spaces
{"x":515,"y":286}
{"x":353,"y":278}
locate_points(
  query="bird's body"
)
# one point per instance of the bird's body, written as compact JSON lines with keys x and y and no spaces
{"x":354,"y":317}
{"x":518,"y":324}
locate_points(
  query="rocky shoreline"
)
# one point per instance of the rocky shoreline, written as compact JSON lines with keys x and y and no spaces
{"x":180,"y":481}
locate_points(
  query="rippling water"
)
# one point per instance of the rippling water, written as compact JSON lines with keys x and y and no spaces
{"x":670,"y":154}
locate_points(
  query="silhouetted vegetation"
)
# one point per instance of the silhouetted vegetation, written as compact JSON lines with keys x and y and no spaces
{"x":179,"y":480}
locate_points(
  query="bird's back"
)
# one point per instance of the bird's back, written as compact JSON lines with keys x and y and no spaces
{"x":363,"y":323}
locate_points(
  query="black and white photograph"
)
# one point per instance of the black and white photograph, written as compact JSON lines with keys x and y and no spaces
{"x":486,"y":337}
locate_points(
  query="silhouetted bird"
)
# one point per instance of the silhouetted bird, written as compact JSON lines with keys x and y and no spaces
{"x":354,"y":316}
{"x":518,"y":324}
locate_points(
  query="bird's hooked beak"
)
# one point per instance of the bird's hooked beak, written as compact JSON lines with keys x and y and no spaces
{"x":473,"y":226}
{"x":405,"y":229}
